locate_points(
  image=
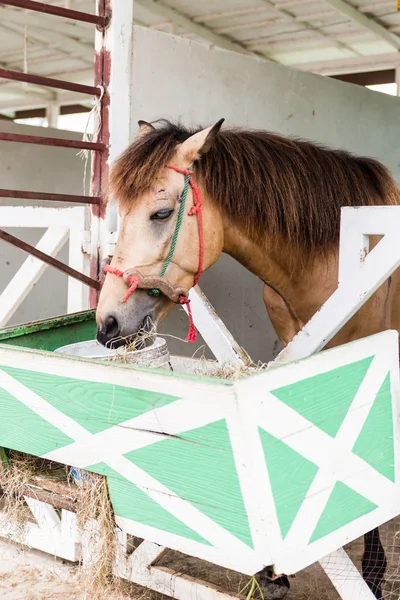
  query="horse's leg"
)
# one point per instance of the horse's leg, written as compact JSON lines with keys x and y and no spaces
{"x":272,"y":589}
{"x":374,"y":562}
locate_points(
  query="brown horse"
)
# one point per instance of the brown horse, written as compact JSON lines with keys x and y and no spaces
{"x":272,"y":203}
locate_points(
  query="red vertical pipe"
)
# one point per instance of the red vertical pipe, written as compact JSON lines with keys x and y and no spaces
{"x":102,"y":72}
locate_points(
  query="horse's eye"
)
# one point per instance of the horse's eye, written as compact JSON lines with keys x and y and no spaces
{"x":161,"y":215}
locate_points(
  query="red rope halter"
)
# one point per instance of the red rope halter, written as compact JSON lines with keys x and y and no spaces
{"x":134,"y":281}
{"x":195,"y":210}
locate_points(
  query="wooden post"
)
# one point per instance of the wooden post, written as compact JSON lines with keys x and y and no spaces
{"x":3,"y":459}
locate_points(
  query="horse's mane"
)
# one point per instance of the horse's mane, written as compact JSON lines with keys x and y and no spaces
{"x":270,"y":184}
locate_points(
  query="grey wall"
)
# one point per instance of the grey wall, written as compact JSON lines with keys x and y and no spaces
{"x":178,"y":79}
{"x":42,"y":169}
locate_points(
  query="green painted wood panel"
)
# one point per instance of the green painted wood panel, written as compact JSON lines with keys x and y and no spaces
{"x":199,"y":466}
{"x":290,"y":475}
{"x":53,"y":333}
{"x":165,"y":484}
{"x":344,"y":505}
{"x":95,"y":406}
{"x":335,"y":389}
{"x":131,"y":502}
{"x":24,"y":430}
{"x":375,"y":443}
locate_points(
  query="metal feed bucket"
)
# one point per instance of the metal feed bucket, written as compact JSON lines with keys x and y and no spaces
{"x":156,"y":355}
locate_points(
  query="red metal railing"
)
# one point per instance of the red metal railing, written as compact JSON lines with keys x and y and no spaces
{"x":51,"y":141}
{"x":49,"y":82}
{"x":71,"y":199}
{"x":14,"y":241}
{"x":100,"y":147}
{"x":102,"y":73}
{"x":58,"y":11}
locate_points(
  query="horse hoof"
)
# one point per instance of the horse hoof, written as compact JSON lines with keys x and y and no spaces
{"x":273,"y":589}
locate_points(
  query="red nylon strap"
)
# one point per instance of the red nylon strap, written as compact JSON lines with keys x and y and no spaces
{"x":113,"y":271}
{"x":133,"y":281}
{"x":192,"y":335}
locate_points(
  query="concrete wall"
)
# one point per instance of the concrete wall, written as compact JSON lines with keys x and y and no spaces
{"x":178,"y":79}
{"x":42,"y":169}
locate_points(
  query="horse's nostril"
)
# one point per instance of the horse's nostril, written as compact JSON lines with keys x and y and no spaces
{"x":110,"y":330}
{"x":111,"y":327}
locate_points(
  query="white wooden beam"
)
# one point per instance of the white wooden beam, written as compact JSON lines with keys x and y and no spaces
{"x":41,"y":216}
{"x":308,"y":26}
{"x":64,"y":43}
{"x":214,"y":332}
{"x":376,"y":62}
{"x":368,"y":23}
{"x":29,"y":273}
{"x":119,"y":42}
{"x":189,"y":25}
{"x":15,"y":89}
{"x":20,"y":100}
{"x":78,"y":292}
{"x":81,"y":31}
{"x":52,"y":114}
{"x":344,"y":575}
{"x":360,"y":275}
{"x":167,"y":581}
{"x":62,"y":541}
{"x":243,"y":12}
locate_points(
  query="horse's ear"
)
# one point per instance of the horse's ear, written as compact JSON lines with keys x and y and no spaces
{"x":144,"y":128}
{"x":201,"y":142}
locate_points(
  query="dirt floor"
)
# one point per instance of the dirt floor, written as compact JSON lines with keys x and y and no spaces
{"x":34,"y":576}
{"x":31,"y":575}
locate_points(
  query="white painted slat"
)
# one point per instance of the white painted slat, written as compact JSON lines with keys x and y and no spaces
{"x":216,"y":335}
{"x":78,"y":292}
{"x":64,"y":544}
{"x":40,"y":216}
{"x":251,"y":467}
{"x":341,"y":460}
{"x":345,"y":302}
{"x":86,"y":370}
{"x":29,"y":273}
{"x":166,"y":581}
{"x":45,"y":515}
{"x":148,"y":428}
{"x":359,"y":275}
{"x":69,"y":526}
{"x":343,"y":574}
{"x":190,"y":515}
{"x":119,"y":42}
{"x":333,"y":456}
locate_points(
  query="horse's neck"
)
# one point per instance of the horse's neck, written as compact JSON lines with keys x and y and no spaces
{"x":304,"y":287}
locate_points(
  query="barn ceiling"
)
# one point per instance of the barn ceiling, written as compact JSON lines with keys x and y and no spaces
{"x":329,"y":37}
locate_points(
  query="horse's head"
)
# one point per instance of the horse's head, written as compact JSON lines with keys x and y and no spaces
{"x":158,"y":250}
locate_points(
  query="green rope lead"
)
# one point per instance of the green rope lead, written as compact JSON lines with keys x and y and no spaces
{"x":156,"y":292}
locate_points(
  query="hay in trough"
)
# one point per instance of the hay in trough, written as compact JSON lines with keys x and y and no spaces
{"x":97,"y":524}
{"x":229,"y":371}
{"x":14,"y":479}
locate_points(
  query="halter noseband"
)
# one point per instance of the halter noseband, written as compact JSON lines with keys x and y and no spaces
{"x":156,"y":284}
